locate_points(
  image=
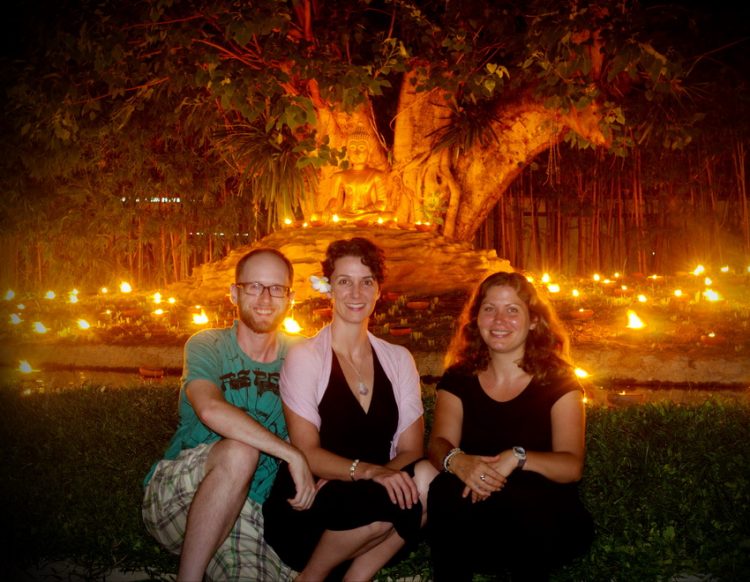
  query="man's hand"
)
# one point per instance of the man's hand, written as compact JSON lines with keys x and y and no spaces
{"x":304,"y":482}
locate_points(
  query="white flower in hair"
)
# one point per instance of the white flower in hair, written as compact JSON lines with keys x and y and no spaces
{"x":320,"y":284}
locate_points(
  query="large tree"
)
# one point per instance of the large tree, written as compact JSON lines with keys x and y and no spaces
{"x":246,"y":105}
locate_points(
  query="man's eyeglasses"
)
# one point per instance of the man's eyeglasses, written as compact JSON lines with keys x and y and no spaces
{"x":255,"y":289}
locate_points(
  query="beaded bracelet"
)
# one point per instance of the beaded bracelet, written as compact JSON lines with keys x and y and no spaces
{"x":353,"y":468}
{"x":449,"y":457}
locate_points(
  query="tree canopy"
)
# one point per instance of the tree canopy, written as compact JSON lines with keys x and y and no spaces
{"x":240,"y":109}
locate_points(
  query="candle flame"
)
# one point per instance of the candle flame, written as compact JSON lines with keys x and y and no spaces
{"x":546,"y":278}
{"x":597,"y":277}
{"x":25,"y":368}
{"x":725,"y":269}
{"x":38,"y":327}
{"x":335,"y":218}
{"x":711,"y":295}
{"x":291,"y":326}
{"x":157,"y":298}
{"x":699,"y":270}
{"x":125,"y":287}
{"x":83,"y":324}
{"x":553,"y":288}
{"x":581,"y":373}
{"x":642,"y":298}
{"x":575,"y":293}
{"x":634,"y":322}
{"x":200,"y":318}
{"x":287,"y":221}
{"x":678,"y":292}
{"x":104,"y":290}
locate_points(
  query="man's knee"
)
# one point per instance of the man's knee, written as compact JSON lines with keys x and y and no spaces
{"x":237,"y":460}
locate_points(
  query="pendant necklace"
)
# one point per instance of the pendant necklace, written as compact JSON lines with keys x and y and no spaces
{"x":361,"y":386}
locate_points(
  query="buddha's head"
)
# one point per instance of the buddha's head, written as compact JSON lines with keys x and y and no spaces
{"x":358,"y":146}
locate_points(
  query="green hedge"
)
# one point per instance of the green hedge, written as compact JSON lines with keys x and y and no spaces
{"x":668,"y":485}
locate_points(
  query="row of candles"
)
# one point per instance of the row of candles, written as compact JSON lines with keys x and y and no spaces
{"x":200,"y":318}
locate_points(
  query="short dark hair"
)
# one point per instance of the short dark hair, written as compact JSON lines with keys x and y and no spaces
{"x":547,"y":346}
{"x":369,"y":253}
{"x":259,"y":251}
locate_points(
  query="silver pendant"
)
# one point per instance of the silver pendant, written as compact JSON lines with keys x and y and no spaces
{"x":363,"y":389}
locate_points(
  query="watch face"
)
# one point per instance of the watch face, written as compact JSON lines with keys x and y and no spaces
{"x":519,"y":452}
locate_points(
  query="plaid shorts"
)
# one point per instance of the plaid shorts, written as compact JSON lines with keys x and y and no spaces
{"x":244,"y":555}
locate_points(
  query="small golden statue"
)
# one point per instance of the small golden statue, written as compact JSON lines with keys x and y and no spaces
{"x":359,"y":193}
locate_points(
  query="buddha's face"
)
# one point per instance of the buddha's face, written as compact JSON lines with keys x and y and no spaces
{"x":357,"y":151}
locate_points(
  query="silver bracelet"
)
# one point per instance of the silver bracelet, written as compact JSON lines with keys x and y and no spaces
{"x":449,"y":457}
{"x":353,"y":468}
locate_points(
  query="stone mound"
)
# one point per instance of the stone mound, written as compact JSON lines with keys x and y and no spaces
{"x":417,"y":263}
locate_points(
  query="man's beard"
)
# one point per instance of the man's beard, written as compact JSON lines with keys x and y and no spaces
{"x":267,"y":325}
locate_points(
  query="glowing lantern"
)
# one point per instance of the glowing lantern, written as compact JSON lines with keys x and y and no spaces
{"x":287,"y":221}
{"x":711,"y":295}
{"x":634,"y":322}
{"x":171,"y":300}
{"x":708,"y":282}
{"x":15,"y":319}
{"x":104,"y":290}
{"x":642,"y":298}
{"x":159,"y":311}
{"x":725,"y":269}
{"x":125,"y":287}
{"x":546,"y":278}
{"x":9,"y":294}
{"x":616,"y":275}
{"x":157,"y":298}
{"x":553,"y":288}
{"x":50,"y":295}
{"x":25,"y":368}
{"x":38,"y":327}
{"x":581,"y":373}
{"x":73,"y":297}
{"x":597,"y":277}
{"x":678,"y":292}
{"x":575,"y":293}
{"x":699,"y":270}
{"x":83,"y":324}
{"x":380,"y":220}
{"x":291,"y":326}
{"x":305,"y":225}
{"x":335,"y":218}
{"x":200,"y":318}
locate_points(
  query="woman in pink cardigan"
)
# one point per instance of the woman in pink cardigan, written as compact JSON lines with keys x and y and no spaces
{"x":353,"y":405}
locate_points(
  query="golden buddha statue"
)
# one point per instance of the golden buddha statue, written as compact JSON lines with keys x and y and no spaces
{"x":359,"y":193}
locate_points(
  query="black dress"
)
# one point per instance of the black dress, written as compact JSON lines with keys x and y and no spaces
{"x":529,"y":527}
{"x":347,"y":430}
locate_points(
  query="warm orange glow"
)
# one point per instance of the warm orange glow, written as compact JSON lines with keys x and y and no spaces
{"x":699,"y":270}
{"x":335,"y":218}
{"x":157,"y":298}
{"x":380,"y":220}
{"x":305,"y":225}
{"x":634,"y":322}
{"x":546,"y":278}
{"x":553,"y":288}
{"x":287,"y":221}
{"x":38,"y":327}
{"x":104,"y":290}
{"x":581,"y":373}
{"x":642,"y":298}
{"x":725,"y":269}
{"x":9,"y":294}
{"x":575,"y":293}
{"x":159,"y":311}
{"x":616,"y":275}
{"x":597,"y":277}
{"x":20,"y":306}
{"x":125,"y":287}
{"x":200,"y":318}
{"x":50,"y":295}
{"x":83,"y":324}
{"x":172,"y":300}
{"x":73,"y":297}
{"x":708,"y":282}
{"x":678,"y":292}
{"x":291,"y":326}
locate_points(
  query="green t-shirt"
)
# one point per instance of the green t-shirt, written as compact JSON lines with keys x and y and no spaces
{"x":214,"y":355}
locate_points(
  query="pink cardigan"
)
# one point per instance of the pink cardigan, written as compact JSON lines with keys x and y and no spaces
{"x":307,"y":370}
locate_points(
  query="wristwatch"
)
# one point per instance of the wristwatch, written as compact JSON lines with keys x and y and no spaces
{"x":520,"y":454}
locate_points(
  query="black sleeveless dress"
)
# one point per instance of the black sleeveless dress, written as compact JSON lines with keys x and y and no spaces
{"x":347,"y":430}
